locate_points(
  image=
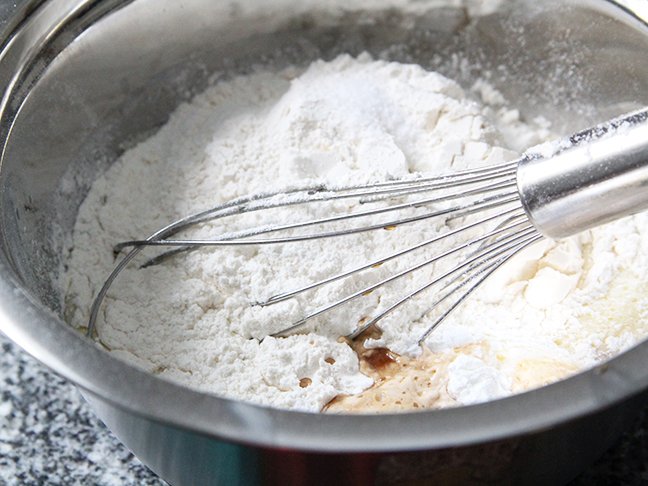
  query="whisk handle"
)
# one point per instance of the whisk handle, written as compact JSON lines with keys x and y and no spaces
{"x":591,"y":178}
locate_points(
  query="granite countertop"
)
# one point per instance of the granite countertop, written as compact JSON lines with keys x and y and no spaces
{"x":49,"y":435}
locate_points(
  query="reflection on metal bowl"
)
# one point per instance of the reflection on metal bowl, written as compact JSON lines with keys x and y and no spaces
{"x":83,"y":80}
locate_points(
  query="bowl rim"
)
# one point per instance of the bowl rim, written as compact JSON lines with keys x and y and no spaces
{"x":45,"y":336}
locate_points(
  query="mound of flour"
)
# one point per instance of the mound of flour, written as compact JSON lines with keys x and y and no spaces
{"x":348,"y":120}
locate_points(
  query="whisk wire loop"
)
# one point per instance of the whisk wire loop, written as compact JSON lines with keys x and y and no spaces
{"x":487,"y":257}
{"x":453,"y":196}
{"x":517,"y":214}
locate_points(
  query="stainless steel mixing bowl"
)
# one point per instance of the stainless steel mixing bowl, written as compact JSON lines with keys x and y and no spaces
{"x":82,"y":80}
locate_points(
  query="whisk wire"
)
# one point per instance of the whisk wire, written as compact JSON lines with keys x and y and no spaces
{"x":479,"y":277}
{"x":233,"y":238}
{"x":493,"y":187}
{"x":398,"y":275}
{"x":239,"y":239}
{"x":488,"y":257}
{"x":289,"y":294}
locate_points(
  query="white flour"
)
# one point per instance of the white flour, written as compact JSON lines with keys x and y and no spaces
{"x":554,"y":310}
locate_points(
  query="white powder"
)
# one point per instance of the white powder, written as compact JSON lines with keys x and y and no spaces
{"x":555,"y":309}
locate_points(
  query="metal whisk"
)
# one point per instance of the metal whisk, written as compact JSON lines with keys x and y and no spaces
{"x":554,"y":191}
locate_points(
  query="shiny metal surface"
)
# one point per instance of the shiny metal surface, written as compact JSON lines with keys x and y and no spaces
{"x":466,"y":192}
{"x":596,"y":176}
{"x":83,"y":80}
{"x":545,"y":457}
{"x":591,"y":178}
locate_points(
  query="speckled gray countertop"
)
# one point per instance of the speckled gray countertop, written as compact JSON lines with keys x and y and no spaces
{"x":49,"y":435}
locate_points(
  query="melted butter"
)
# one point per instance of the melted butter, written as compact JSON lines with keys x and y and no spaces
{"x":406,"y":384}
{"x":400,"y":383}
{"x":620,"y":311}
{"x":534,"y":373}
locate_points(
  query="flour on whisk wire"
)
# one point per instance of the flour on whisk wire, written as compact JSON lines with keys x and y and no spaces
{"x":351,"y":120}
